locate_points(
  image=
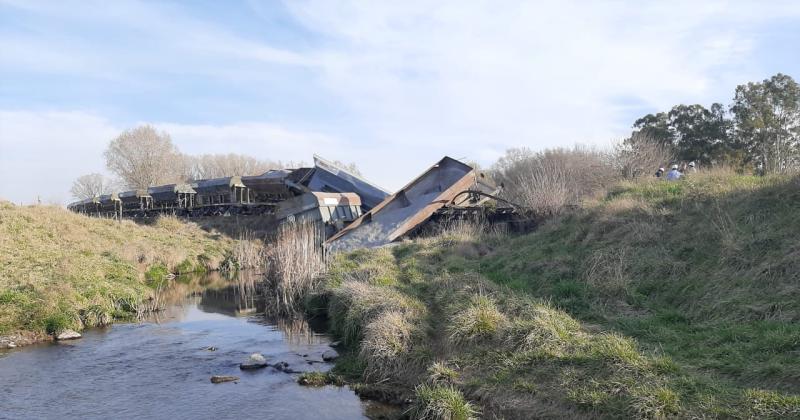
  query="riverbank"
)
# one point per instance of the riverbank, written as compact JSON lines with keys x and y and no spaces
{"x":62,"y":270}
{"x":660,"y":299}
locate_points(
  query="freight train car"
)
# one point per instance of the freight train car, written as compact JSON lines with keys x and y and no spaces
{"x":176,"y":199}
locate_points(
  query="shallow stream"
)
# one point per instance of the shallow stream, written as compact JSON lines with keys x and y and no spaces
{"x":161,"y":367}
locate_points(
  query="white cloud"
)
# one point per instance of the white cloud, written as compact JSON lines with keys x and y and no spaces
{"x":415,"y":79}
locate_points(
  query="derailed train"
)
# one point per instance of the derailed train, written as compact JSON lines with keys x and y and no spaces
{"x":354,"y":212}
{"x":324,"y":192}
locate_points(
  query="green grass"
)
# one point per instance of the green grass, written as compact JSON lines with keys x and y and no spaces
{"x":661,"y":299}
{"x":441,"y":402}
{"x":317,"y":379}
{"x":62,"y":270}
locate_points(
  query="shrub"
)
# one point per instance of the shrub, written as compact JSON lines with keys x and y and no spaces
{"x":640,"y":155}
{"x":58,"y":322}
{"x":443,"y":402}
{"x":550,"y":180}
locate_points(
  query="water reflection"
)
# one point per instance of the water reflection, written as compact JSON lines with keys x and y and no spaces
{"x":161,"y":369}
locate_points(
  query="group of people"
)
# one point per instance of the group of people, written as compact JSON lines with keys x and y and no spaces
{"x":675,"y":174}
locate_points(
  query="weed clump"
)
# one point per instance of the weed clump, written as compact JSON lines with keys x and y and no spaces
{"x":57,"y":322}
{"x":96,"y":316}
{"x":443,"y":402}
{"x":317,"y":379}
{"x":440,"y":373}
{"x":543,"y":328}
{"x":480,"y":319}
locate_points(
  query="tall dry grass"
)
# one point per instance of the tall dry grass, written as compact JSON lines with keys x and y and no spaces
{"x":295,"y":261}
{"x":250,"y":252}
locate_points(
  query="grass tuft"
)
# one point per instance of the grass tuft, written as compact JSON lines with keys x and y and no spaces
{"x":479,"y":320}
{"x":443,"y":402}
{"x":317,"y":379}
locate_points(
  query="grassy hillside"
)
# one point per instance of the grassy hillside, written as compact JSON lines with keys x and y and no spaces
{"x":63,"y":270}
{"x":662,"y":299}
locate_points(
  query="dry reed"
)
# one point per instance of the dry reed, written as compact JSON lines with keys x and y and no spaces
{"x":295,"y":263}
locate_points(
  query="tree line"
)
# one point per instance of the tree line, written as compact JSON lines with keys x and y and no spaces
{"x":760,"y":128}
{"x":142,"y":157}
{"x":759,"y":131}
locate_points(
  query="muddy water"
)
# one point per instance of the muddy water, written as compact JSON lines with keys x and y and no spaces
{"x":161,"y":368}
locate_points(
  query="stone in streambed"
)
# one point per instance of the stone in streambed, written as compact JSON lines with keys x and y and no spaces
{"x":255,"y":361}
{"x":218,"y":379}
{"x":67,"y":335}
{"x":330,"y":355}
{"x":282,"y":366}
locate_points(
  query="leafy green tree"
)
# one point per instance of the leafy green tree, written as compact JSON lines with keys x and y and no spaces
{"x":694,"y":132}
{"x":767,"y":117}
{"x":655,"y":127}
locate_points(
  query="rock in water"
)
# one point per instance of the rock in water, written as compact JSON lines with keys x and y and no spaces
{"x":68,"y":335}
{"x":218,"y":379}
{"x":282,"y":366}
{"x":255,"y":361}
{"x":330,"y":355}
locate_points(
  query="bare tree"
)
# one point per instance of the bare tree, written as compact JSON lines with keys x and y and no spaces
{"x":221,"y":165}
{"x":91,"y":185}
{"x":641,"y":154}
{"x":142,"y":157}
{"x":349,"y":167}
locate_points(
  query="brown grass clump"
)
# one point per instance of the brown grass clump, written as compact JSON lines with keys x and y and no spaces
{"x":387,"y":339}
{"x":354,"y":305}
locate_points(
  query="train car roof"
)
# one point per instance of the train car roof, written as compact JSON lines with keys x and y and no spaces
{"x":230,"y":181}
{"x":172,"y":188}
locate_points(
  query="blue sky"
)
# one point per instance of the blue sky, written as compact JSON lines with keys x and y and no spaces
{"x":392,"y":86}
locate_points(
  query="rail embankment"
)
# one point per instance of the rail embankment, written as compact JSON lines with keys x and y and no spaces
{"x":60,"y":270}
{"x":659,"y":299}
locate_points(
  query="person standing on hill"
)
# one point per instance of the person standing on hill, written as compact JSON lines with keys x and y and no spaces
{"x":674,"y":174}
